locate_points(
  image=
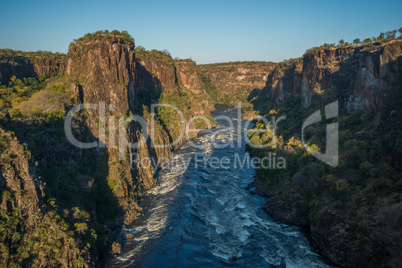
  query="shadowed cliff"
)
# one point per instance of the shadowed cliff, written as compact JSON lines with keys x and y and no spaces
{"x":352,"y":211}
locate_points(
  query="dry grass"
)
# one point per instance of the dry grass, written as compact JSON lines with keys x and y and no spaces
{"x":43,"y":102}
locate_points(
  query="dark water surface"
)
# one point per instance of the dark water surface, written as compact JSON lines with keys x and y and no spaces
{"x":199,"y":216}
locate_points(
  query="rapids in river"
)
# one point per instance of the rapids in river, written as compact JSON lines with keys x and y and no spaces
{"x":199,"y":216}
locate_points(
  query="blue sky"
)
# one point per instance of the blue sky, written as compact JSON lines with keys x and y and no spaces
{"x":207,"y":31}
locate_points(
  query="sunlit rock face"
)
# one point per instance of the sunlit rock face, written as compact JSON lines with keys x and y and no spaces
{"x":29,"y":64}
{"x":359,"y":77}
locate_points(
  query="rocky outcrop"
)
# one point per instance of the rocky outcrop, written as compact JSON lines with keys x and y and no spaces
{"x":29,"y":64}
{"x":284,"y":80}
{"x":160,"y":79}
{"x":107,"y":69}
{"x":16,"y":178}
{"x":236,"y":78}
{"x":157,"y":70}
{"x":104,"y":68}
{"x":188,"y":76}
{"x":359,"y":77}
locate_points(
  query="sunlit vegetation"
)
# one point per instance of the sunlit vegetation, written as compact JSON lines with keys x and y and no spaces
{"x":39,"y":55}
{"x":18,"y":91}
{"x":163,"y":56}
{"x":106,"y":33}
{"x":27,"y":98}
{"x":380,"y":39}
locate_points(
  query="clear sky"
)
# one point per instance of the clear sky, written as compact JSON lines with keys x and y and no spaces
{"x":207,"y":31}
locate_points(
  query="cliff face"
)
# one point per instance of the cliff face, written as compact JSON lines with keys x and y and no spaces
{"x":284,"y":80}
{"x":108,"y":69}
{"x":89,"y":192}
{"x":157,"y":70}
{"x":360,"y":77}
{"x":16,"y":178}
{"x":352,"y":221}
{"x":29,"y":64}
{"x":233,"y":81}
{"x":160,"y":79}
{"x":105,"y":70}
{"x":188,"y":76}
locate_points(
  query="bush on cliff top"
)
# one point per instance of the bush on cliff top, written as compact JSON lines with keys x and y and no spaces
{"x":381,"y":38}
{"x":143,"y":53}
{"x":11,"y":54}
{"x":91,"y":36}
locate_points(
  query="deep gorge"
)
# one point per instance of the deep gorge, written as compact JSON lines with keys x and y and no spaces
{"x":56,"y":196}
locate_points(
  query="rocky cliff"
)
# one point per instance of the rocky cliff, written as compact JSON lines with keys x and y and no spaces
{"x":16,"y":178}
{"x":350,"y":210}
{"x":175,"y":82}
{"x":360,"y":77}
{"x":91,"y":192}
{"x":157,"y":69}
{"x":188,"y":76}
{"x":55,"y":195}
{"x":104,"y":68}
{"x":29,"y":64}
{"x":233,"y":81}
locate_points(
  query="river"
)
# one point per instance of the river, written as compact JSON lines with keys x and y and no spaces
{"x":203,"y":216}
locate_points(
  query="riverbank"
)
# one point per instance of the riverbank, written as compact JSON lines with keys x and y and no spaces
{"x":198,"y":215}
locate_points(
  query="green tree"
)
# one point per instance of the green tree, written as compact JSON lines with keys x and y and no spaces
{"x":400,"y":32}
{"x":341,"y":42}
{"x":381,"y":37}
{"x":367,"y":41}
{"x":390,"y":35}
{"x":357,"y":41}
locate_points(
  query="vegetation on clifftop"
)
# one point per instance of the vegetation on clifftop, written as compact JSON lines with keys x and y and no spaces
{"x":103,"y":34}
{"x":380,"y":39}
{"x":164,"y":56}
{"x":7,"y":53}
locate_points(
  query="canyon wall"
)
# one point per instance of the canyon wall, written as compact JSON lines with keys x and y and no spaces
{"x":29,"y":64}
{"x":87,"y":194}
{"x":234,"y":81}
{"x":366,"y":77}
{"x":84,"y":195}
{"x":356,"y":224}
{"x":106,"y":69}
{"x":160,"y":79}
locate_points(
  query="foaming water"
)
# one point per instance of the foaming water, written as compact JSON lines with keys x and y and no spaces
{"x":198,"y":216}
